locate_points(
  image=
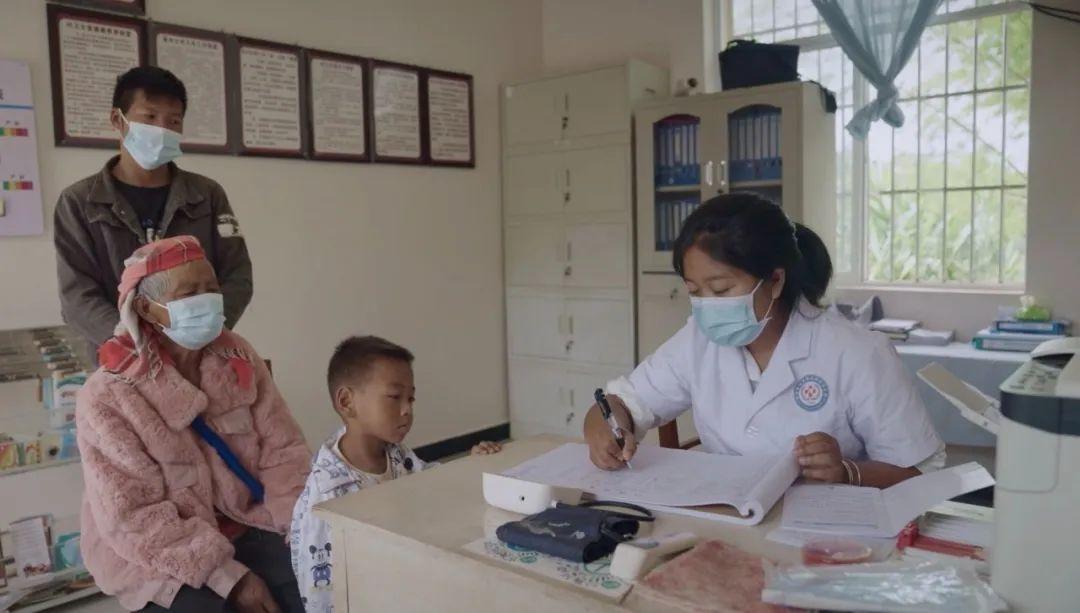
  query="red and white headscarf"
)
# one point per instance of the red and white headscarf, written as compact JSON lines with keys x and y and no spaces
{"x":134,"y":349}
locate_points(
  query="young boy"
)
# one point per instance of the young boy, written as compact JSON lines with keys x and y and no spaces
{"x":371,"y":386}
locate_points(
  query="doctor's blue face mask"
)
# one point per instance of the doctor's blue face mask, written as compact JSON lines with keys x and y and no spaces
{"x":730,"y":320}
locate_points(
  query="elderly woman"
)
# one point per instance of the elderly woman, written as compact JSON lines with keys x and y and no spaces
{"x":191,"y":459}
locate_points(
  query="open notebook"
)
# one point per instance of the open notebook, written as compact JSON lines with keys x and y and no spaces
{"x":739,"y":489}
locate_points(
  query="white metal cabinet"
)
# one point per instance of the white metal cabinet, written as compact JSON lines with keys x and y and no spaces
{"x":598,"y":255}
{"x":596,"y":103}
{"x":600,"y":330}
{"x":538,"y":395}
{"x":800,"y":140}
{"x":535,"y":184}
{"x":569,"y":239}
{"x":534,"y":112}
{"x":597,"y":180}
{"x":535,"y":253}
{"x":663,"y":307}
{"x":536,"y":326}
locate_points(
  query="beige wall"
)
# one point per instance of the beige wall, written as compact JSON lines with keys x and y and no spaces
{"x":414,"y":254}
{"x":588,"y":33}
{"x":1053,"y":270}
{"x":1053,"y":197}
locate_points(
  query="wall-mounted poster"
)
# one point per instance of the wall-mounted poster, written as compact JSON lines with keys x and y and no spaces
{"x":337,"y":106}
{"x":397,"y":113}
{"x":198,"y":58}
{"x":87,"y":51}
{"x":131,"y":7}
{"x":450,"y":119}
{"x":271,"y":105}
{"x":21,"y":213}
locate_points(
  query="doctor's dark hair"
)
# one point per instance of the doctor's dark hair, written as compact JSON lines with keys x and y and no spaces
{"x":355,"y":356}
{"x":153,"y":82}
{"x":753,"y":234}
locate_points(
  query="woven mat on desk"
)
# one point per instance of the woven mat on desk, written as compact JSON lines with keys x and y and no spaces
{"x":712,"y":577}
{"x":593,"y":577}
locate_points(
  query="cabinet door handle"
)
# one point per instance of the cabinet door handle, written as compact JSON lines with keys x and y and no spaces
{"x":674,"y":294}
{"x":709,"y":173}
{"x":569,"y":417}
{"x":721,"y":179}
{"x":569,"y":252}
{"x":572,"y":403}
{"x":568,"y":271}
{"x":569,"y":345}
{"x":571,"y":324}
{"x":568,"y":179}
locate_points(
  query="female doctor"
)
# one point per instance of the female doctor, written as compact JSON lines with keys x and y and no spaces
{"x":763,"y":368}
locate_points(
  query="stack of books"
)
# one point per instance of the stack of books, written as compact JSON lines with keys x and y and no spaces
{"x":897,"y":329}
{"x":909,"y":332}
{"x":1017,"y":335}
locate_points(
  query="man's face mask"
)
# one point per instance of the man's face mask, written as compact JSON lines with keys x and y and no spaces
{"x":151,"y":146}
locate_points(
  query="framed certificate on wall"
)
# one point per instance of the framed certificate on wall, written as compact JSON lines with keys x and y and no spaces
{"x":87,"y":52}
{"x":199,"y":59}
{"x":338,"y":101}
{"x":397,"y":113}
{"x":449,"y":134}
{"x":131,"y":7}
{"x":270,"y":77}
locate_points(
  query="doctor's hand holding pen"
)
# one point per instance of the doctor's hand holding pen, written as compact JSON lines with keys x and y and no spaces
{"x":609,"y":431}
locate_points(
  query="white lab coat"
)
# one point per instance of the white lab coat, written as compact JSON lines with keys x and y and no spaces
{"x":309,"y":537}
{"x":826,"y":374}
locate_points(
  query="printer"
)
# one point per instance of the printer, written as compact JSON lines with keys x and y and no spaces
{"x":1035,"y":563}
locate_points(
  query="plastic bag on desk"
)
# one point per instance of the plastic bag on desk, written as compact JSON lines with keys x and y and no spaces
{"x":882,"y":586}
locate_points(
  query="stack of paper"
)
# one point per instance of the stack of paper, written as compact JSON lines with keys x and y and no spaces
{"x":894,"y":326}
{"x":937,"y":338}
{"x":868,"y":511}
{"x":739,"y":489}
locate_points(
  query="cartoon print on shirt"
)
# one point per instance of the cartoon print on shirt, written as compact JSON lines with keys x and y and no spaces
{"x":320,"y":571}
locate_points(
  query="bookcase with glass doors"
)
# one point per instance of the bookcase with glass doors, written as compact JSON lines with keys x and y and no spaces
{"x":774,"y":140}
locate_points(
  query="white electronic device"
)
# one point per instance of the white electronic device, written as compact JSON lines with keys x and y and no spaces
{"x":525,"y":497}
{"x":1038,"y":486}
{"x":634,"y":558}
{"x":974,"y":406}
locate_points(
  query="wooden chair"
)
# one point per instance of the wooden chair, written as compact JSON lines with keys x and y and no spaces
{"x":669,"y":437}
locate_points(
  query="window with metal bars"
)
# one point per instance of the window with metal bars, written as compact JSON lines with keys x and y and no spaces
{"x":942,"y":200}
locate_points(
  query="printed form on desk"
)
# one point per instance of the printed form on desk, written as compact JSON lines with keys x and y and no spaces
{"x":868,"y":511}
{"x":738,"y":489}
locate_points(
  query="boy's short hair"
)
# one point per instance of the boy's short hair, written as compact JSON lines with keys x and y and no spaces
{"x":153,"y":81}
{"x":354,"y":357}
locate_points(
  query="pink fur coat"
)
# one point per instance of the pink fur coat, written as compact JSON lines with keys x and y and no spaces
{"x":154,"y":488}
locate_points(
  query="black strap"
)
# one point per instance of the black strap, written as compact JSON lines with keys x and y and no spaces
{"x":645,"y":514}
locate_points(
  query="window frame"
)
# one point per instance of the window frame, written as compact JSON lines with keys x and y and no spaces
{"x":857,"y":277}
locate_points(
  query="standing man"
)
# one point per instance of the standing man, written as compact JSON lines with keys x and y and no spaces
{"x":139,"y":196}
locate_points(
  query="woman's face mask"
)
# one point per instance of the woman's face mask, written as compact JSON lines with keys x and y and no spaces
{"x":730,"y":321}
{"x":195,"y":321}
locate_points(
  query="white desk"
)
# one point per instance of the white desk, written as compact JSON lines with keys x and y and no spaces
{"x":397,"y":547}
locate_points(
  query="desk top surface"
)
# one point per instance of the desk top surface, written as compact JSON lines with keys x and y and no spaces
{"x":444,"y":507}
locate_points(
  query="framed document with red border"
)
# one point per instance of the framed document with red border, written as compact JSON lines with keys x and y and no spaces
{"x":199,"y":58}
{"x":398,"y":118}
{"x":450,"y":138}
{"x":131,"y":7}
{"x":88,"y":50}
{"x":338,"y":99}
{"x":270,"y":102}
